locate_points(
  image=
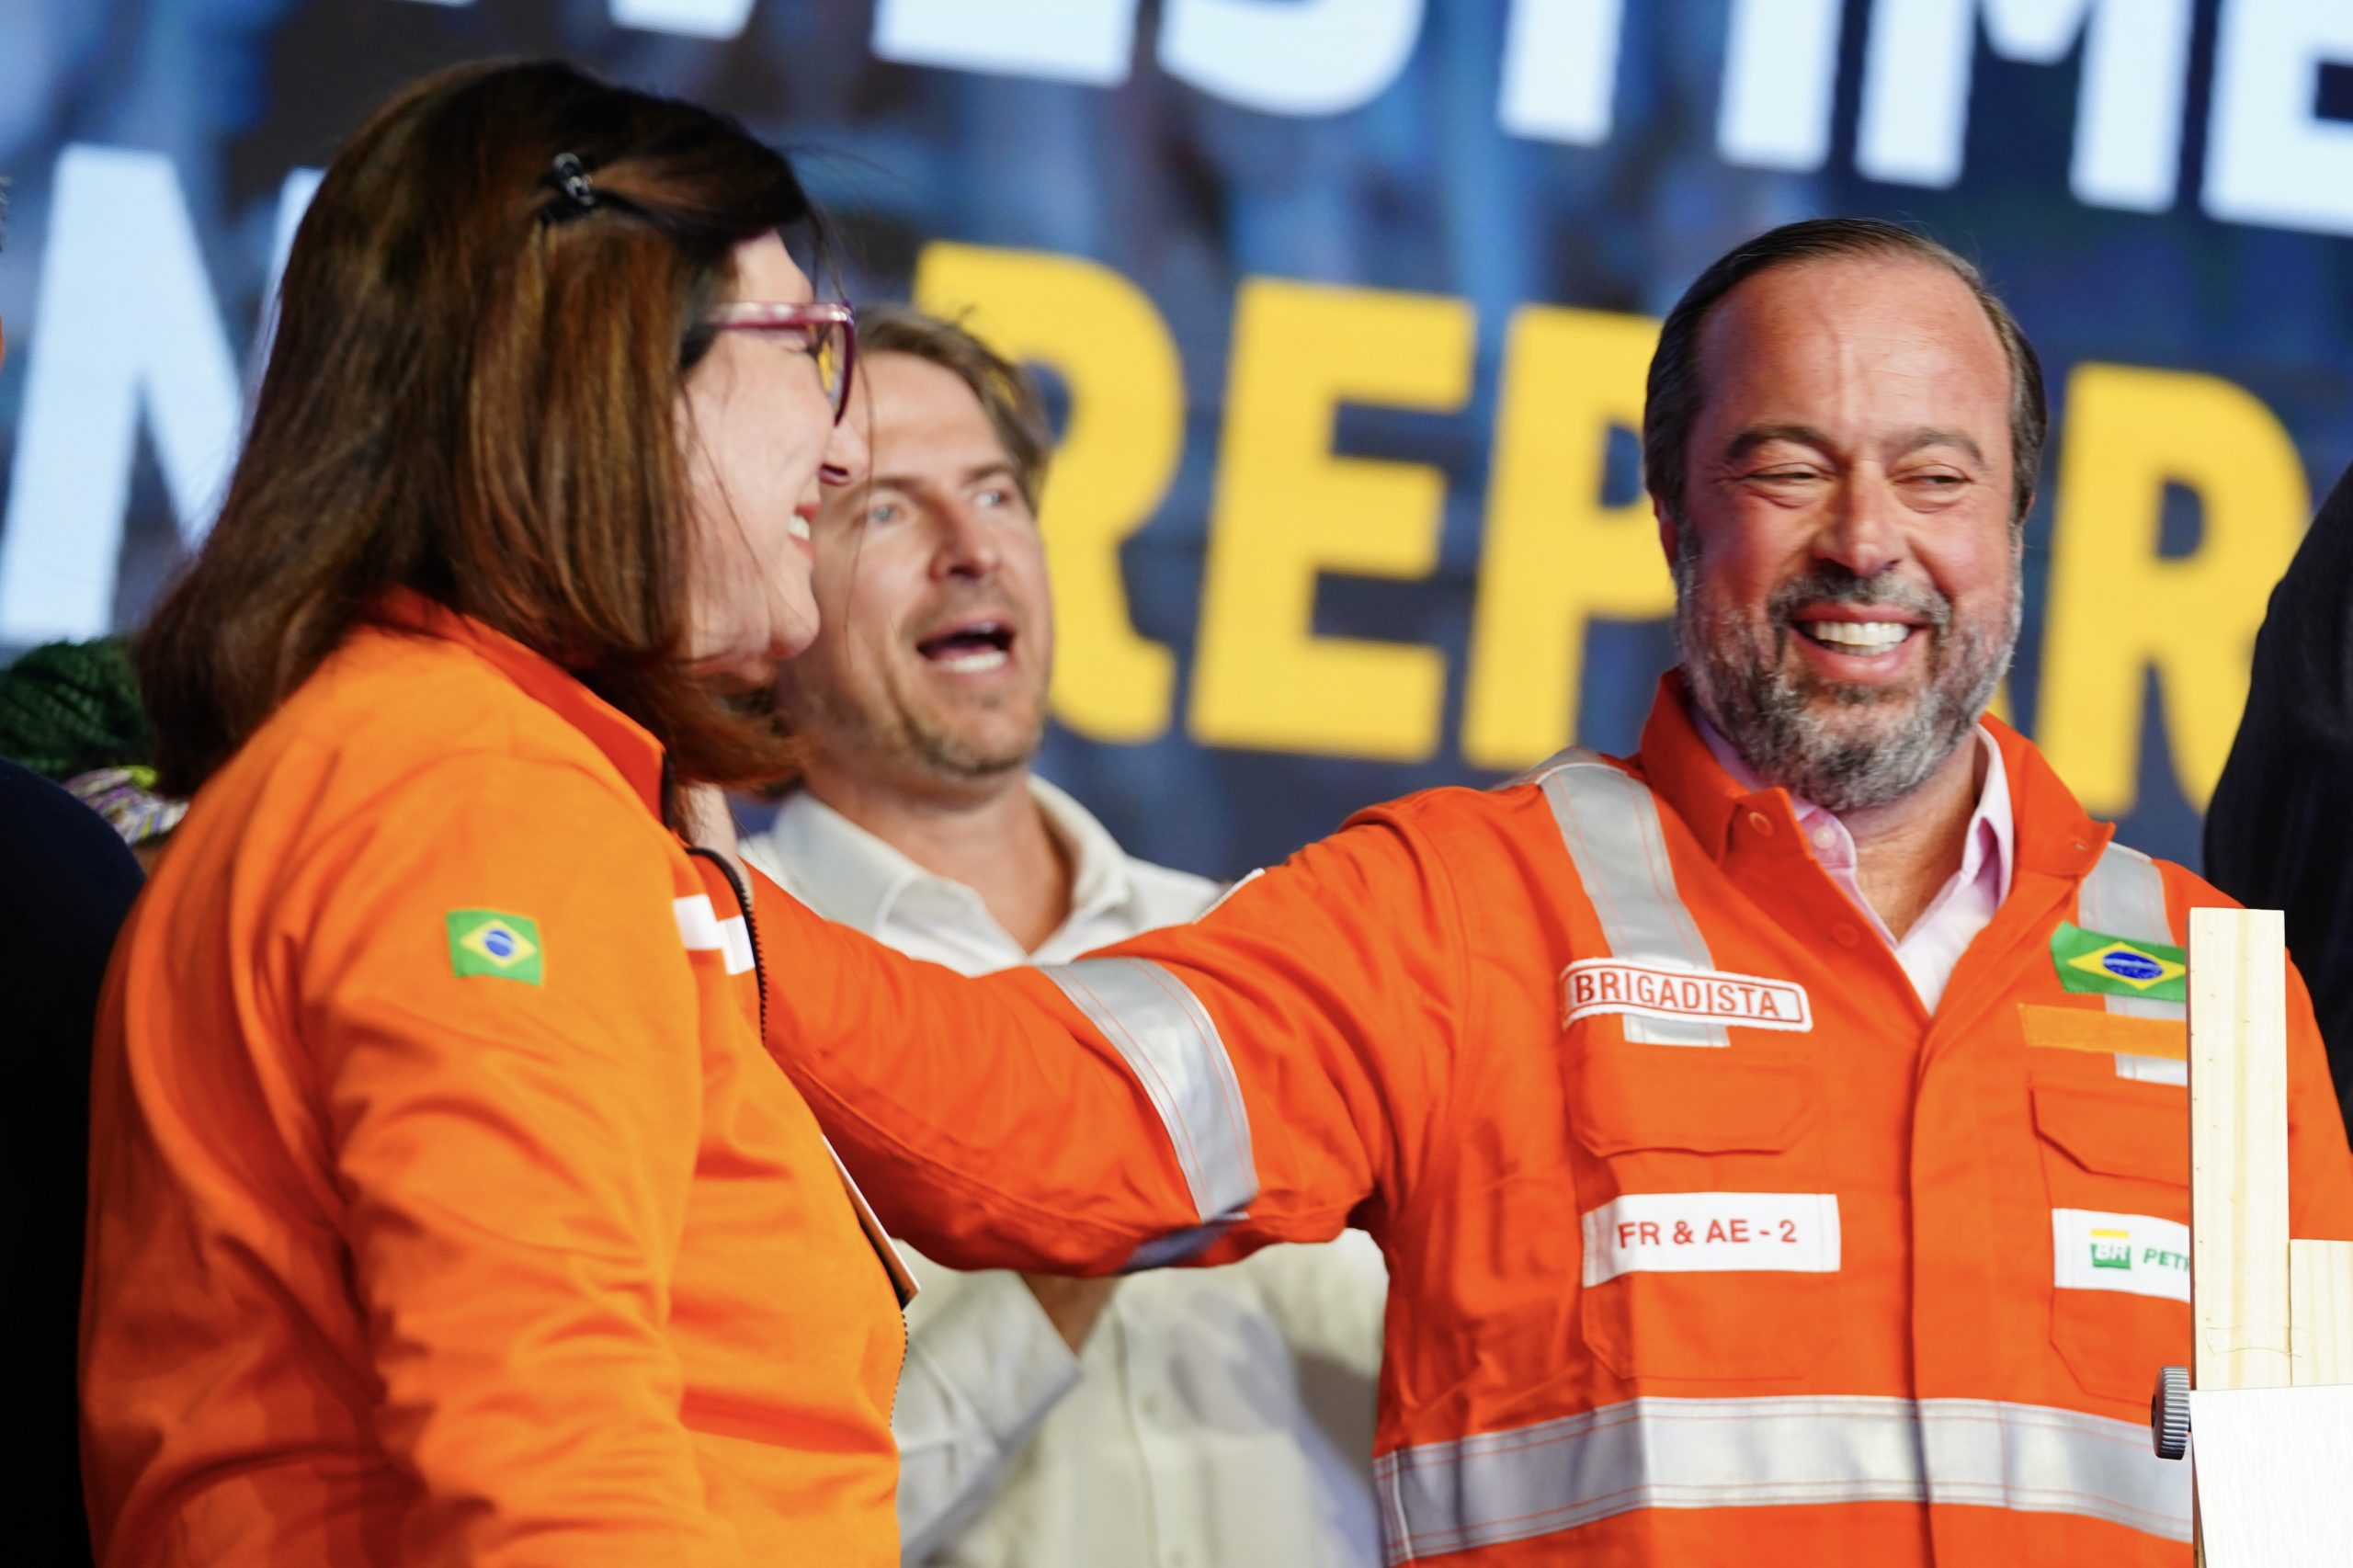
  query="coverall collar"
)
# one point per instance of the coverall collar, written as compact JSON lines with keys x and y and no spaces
{"x":2053,"y":833}
{"x":625,"y":743}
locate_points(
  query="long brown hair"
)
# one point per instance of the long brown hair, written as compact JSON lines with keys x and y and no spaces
{"x":472,"y":394}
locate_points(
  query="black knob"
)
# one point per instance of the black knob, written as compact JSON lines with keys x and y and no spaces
{"x":2169,"y":1412}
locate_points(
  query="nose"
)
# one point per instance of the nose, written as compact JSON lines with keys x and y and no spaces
{"x":1861,"y":533}
{"x":966,"y":546}
{"x":846,"y":459}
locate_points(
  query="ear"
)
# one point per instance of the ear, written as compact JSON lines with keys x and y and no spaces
{"x":1668,"y":530}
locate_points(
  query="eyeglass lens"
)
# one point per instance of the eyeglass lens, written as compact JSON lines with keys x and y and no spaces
{"x":827,"y":348}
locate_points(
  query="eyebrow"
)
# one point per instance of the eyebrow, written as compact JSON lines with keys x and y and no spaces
{"x":1758,"y":436}
{"x":1929,"y":436}
{"x":995,"y":469}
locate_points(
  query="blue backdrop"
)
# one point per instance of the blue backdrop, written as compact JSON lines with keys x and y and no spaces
{"x":1344,"y":304}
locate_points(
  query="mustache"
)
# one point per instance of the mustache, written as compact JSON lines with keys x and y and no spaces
{"x":1827,"y":584}
{"x":959,"y":601}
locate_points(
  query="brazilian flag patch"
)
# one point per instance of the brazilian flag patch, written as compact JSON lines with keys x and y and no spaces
{"x":488,"y":941}
{"x":2094,"y":961}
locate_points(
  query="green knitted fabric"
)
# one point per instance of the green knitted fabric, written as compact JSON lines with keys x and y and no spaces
{"x":69,"y":708}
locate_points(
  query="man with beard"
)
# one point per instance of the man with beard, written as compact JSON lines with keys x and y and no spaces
{"x":1778,"y":1138}
{"x":1219,"y":1417}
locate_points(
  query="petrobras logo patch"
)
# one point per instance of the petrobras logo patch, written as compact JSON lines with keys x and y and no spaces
{"x":1593,"y":986}
{"x":2138,"y":1255}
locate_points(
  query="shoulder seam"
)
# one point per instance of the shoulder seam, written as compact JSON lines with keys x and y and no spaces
{"x":359,"y":810}
{"x":1567,"y":757}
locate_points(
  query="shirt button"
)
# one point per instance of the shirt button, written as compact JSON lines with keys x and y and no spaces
{"x":1761,"y":824}
{"x":1846,"y":935}
{"x":1824,"y":837}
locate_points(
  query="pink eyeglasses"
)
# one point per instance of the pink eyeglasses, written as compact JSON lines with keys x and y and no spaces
{"x":827,"y":329}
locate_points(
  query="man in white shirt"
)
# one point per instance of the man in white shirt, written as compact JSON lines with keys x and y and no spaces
{"x":1208,"y":1418}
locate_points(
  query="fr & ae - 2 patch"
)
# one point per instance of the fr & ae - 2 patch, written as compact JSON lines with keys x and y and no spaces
{"x":492,"y":942}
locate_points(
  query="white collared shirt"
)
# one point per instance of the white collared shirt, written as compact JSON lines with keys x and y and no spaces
{"x":1961,"y":908}
{"x":1216,"y":1418}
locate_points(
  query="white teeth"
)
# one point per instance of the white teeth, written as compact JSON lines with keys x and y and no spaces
{"x":973,"y":664}
{"x":797,"y":525}
{"x":1864,"y":636}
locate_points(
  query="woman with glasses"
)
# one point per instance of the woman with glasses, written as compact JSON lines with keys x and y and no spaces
{"x":445,"y":1206}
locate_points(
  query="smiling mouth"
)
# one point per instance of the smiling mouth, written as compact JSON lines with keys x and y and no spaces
{"x":970,"y":649}
{"x":1865,"y":637}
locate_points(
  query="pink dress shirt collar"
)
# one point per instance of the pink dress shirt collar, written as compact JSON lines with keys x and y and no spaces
{"x":1961,"y":909}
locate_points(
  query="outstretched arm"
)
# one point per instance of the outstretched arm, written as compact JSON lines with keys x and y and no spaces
{"x":1270,"y":1067}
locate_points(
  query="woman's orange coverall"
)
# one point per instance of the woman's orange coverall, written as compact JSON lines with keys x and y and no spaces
{"x":444,"y":1206}
{"x":1708,"y":1242}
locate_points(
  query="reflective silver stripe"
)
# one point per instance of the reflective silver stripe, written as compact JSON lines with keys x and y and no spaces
{"x":735,"y":944}
{"x":1171,"y":1047}
{"x":1753,"y":1454}
{"x":2125,"y":896}
{"x":697,"y":923}
{"x":1610,"y":824}
{"x":702,"y":931}
{"x":2152,"y":1070}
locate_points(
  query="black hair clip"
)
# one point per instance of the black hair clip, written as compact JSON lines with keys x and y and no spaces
{"x":573,"y":181}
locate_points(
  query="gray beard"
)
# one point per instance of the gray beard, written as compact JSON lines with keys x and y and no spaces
{"x":1769,"y":715}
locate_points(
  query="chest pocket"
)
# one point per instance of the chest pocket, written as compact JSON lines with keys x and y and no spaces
{"x":2116,"y":1166}
{"x":1710,"y":1244}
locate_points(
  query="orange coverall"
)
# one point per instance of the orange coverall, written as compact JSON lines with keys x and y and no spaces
{"x":1708,"y":1242}
{"x":444,"y":1205}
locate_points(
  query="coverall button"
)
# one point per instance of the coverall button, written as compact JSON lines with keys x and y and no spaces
{"x":1762,"y":824}
{"x":1847,"y":935}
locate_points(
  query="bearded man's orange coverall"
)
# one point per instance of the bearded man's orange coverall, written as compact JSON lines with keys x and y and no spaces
{"x":1709,"y":1243}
